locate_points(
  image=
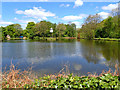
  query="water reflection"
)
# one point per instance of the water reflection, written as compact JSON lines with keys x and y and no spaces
{"x":90,"y":51}
{"x":95,"y":51}
{"x":77,"y":67}
{"x":49,"y":57}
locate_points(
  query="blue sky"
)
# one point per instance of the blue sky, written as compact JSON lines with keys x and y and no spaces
{"x":63,"y":12}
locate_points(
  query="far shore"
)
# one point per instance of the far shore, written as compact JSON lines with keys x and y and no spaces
{"x":64,"y":38}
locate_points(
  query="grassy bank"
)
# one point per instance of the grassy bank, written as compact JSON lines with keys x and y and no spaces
{"x":107,"y":39}
{"x":25,"y":79}
{"x":53,"y":38}
{"x":66,"y":38}
{"x":16,"y":39}
{"x":103,"y":39}
{"x":45,"y":38}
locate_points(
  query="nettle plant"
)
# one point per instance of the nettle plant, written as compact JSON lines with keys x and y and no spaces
{"x":73,"y":82}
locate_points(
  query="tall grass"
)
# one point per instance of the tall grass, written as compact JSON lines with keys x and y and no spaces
{"x":14,"y":78}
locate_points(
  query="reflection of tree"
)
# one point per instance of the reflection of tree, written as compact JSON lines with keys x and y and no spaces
{"x":44,"y":51}
{"x":39,"y":52}
{"x":90,"y":51}
{"x":109,"y":50}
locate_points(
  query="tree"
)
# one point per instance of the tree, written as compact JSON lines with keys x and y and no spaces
{"x":18,"y":30}
{"x":108,"y":27}
{"x":61,"y":28}
{"x":30,"y":27}
{"x":90,"y":25}
{"x":54,"y":30}
{"x":14,"y":30}
{"x":25,"y":33}
{"x":4,"y":32}
{"x":43,"y":28}
{"x":70,"y":30}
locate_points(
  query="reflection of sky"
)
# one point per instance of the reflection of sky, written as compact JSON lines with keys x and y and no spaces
{"x":50,"y":57}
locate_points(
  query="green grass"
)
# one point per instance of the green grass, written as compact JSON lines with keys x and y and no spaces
{"x":51,"y":39}
{"x":107,"y":39}
{"x":15,"y":38}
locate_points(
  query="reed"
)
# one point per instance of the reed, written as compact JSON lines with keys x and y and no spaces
{"x":15,"y":78}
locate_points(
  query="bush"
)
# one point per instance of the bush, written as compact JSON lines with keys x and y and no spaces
{"x":36,"y":38}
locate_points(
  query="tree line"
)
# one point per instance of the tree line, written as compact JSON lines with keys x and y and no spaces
{"x":96,"y":27}
{"x":40,"y":29}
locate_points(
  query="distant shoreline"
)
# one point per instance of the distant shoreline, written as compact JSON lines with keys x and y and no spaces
{"x":65,"y":38}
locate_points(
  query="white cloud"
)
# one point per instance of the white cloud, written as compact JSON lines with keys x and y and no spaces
{"x":104,"y":14}
{"x":5,"y":23}
{"x":77,"y":67}
{"x":110,"y":7}
{"x":23,"y":26}
{"x":72,"y":17}
{"x":23,"y":21}
{"x":78,"y":3}
{"x":39,"y":20}
{"x":36,"y":12}
{"x":64,"y":5}
{"x":67,"y":5}
{"x":77,"y":23}
{"x":19,"y":12}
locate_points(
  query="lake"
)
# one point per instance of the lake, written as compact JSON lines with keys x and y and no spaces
{"x":50,"y":57}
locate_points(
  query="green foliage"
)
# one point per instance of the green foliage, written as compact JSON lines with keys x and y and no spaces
{"x":42,"y":28}
{"x":30,"y":29}
{"x":99,"y":33}
{"x":38,"y":30}
{"x":90,"y":25}
{"x":25,"y":33}
{"x":70,"y":30}
{"x":108,"y":27}
{"x":93,"y":27}
{"x":36,"y":38}
{"x":13,"y":30}
{"x":75,"y":82}
{"x":61,"y":29}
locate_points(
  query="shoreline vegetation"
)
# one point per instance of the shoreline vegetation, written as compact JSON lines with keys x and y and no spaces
{"x":15,"y":78}
{"x":107,"y":39}
{"x":65,"y":38}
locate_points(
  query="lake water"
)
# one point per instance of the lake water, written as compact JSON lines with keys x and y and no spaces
{"x":50,"y":57}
